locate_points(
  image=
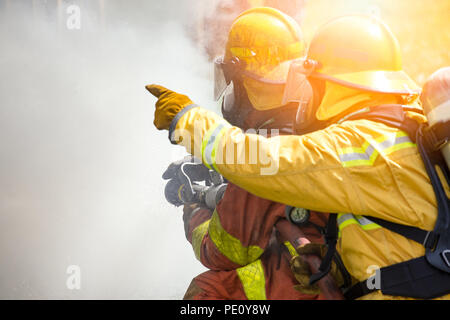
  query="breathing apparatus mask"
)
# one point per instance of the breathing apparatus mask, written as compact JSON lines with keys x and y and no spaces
{"x":228,"y":86}
{"x":295,"y":88}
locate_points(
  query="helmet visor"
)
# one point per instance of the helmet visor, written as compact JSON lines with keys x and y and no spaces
{"x":220,"y":81}
{"x":297,"y":88}
{"x":290,"y":77}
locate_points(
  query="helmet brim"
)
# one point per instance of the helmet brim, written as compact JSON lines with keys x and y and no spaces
{"x":391,"y":82}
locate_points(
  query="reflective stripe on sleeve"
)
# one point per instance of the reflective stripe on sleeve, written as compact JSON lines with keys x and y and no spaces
{"x":210,"y":143}
{"x":230,"y":246}
{"x":369,"y":151}
{"x":253,"y":280}
{"x":177,"y":118}
{"x":346,"y":219}
{"x":197,"y":237}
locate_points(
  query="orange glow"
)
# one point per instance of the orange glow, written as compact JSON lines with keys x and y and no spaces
{"x":420,"y":26}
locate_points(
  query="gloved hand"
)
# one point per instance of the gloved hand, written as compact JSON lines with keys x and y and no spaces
{"x":168,"y":105}
{"x":302,"y":271}
{"x":183,"y":175}
{"x":195,"y":169}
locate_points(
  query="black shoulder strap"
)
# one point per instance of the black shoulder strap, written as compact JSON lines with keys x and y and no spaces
{"x":331,"y":235}
{"x":415,"y":278}
{"x":359,"y":290}
{"x":433,"y":159}
{"x":426,"y":238}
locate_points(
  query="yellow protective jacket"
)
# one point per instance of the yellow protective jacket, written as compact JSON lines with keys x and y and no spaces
{"x":355,"y":168}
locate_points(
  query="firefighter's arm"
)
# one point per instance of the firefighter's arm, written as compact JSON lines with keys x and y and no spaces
{"x":209,"y":240}
{"x":330,"y":170}
{"x":242,"y":225}
{"x":302,"y":171}
{"x":236,"y":233}
{"x":197,"y":221}
{"x":194,"y":216}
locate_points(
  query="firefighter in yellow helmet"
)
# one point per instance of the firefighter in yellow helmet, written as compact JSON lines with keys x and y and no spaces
{"x":261,"y":45}
{"x":236,"y":240}
{"x":360,"y":159}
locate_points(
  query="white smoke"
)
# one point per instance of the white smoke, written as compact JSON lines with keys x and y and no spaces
{"x":81,"y":163}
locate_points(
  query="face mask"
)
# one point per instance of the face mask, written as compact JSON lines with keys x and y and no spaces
{"x":295,"y":89}
{"x":225,"y":72}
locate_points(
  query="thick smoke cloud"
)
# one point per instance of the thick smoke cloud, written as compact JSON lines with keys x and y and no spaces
{"x":81,"y":163}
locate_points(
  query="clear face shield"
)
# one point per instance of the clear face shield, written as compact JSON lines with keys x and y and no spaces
{"x":297,"y":88}
{"x":223,"y":75}
{"x":220,"y":81}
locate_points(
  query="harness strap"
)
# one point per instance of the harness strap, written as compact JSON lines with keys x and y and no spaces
{"x":358,"y":290}
{"x":344,"y":272}
{"x":438,"y":134}
{"x":426,"y":238}
{"x":331,"y":236}
{"x":415,"y":278}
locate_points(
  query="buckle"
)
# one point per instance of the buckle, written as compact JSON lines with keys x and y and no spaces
{"x":440,"y":256}
{"x":444,"y":253}
{"x":430,"y":240}
{"x":440,"y":144}
{"x":434,"y":139}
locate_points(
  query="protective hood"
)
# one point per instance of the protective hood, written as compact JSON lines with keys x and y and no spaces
{"x":339,"y":100}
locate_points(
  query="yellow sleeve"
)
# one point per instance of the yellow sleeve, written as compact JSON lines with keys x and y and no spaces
{"x":302,"y":171}
{"x":360,"y":167}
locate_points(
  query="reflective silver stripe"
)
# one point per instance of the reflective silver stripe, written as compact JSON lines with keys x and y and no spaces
{"x":389,"y":143}
{"x":369,"y":151}
{"x":177,"y":118}
{"x":358,"y":156}
{"x":209,"y":147}
{"x":345,"y":219}
{"x":364,"y":221}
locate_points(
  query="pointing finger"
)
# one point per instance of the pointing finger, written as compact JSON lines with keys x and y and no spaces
{"x":156,"y":90}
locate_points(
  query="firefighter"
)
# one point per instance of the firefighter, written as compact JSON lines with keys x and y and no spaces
{"x":362,"y":160}
{"x":237,"y":241}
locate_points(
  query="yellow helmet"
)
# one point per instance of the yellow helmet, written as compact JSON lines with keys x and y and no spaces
{"x":262,"y":42}
{"x":359,"y":52}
